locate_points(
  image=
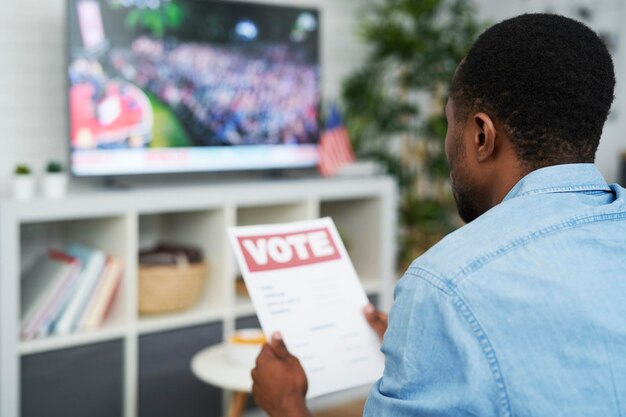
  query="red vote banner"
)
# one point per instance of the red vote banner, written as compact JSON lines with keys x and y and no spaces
{"x":288,"y":250}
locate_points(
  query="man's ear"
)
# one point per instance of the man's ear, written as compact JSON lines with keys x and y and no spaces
{"x":484,"y":140}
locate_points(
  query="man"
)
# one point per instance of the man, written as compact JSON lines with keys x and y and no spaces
{"x":522,"y":312}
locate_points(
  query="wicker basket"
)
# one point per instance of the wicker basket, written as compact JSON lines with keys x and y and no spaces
{"x":169,"y":288}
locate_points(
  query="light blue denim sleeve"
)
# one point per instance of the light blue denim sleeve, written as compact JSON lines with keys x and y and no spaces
{"x":437,"y":360}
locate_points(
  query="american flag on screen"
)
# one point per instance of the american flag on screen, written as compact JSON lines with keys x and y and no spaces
{"x":335,"y":149}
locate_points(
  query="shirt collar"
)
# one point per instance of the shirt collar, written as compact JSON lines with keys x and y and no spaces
{"x":560,"y":178}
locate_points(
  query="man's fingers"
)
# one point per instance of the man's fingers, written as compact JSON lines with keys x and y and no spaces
{"x":278,"y":347}
{"x":369,"y":309}
{"x":266,"y":351}
{"x":376,"y":319}
{"x":274,"y":349}
{"x":371,"y":315}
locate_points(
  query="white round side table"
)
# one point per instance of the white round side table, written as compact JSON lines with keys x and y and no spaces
{"x":213,"y":366}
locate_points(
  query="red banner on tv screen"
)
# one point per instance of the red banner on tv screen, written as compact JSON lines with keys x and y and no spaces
{"x":288,"y":250}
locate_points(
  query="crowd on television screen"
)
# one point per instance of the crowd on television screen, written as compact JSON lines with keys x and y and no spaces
{"x":231,"y":95}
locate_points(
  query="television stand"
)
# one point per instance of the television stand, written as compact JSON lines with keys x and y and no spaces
{"x":129,"y":349}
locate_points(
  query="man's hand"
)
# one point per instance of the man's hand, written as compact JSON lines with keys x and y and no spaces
{"x":279,"y":382}
{"x":377,"y":319}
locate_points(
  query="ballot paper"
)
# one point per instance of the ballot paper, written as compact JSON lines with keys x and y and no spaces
{"x":303,"y":284}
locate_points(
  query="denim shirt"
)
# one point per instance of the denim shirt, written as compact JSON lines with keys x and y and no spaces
{"x":522,"y":312}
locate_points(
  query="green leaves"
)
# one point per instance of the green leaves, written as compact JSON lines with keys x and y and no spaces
{"x":22,"y":169}
{"x":431,"y":36}
{"x":373,"y":113}
{"x":54,"y":167}
{"x":393,"y":106}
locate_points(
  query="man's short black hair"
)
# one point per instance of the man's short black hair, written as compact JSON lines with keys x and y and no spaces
{"x":548,"y":79}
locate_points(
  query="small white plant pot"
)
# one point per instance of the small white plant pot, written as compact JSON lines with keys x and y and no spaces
{"x":23,"y":187}
{"x":54,"y":185}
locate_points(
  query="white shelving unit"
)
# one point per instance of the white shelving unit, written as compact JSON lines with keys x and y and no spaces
{"x":122,"y":222}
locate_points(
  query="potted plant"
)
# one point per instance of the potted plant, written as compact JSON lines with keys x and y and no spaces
{"x":54,"y":181}
{"x":23,"y":183}
{"x":393,"y":107}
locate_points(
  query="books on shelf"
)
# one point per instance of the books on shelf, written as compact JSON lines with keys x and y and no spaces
{"x":93,"y":263}
{"x":68,"y":291}
{"x":102,"y":296}
{"x":42,"y":290}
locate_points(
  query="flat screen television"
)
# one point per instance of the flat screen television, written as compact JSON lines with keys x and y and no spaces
{"x":160,"y":86}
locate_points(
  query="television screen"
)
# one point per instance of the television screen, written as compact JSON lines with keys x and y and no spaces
{"x":191,"y":85}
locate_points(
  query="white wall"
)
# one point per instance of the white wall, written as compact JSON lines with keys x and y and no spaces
{"x":32,"y":74}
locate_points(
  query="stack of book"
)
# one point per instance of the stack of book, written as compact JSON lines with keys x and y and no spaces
{"x":68,"y":291}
